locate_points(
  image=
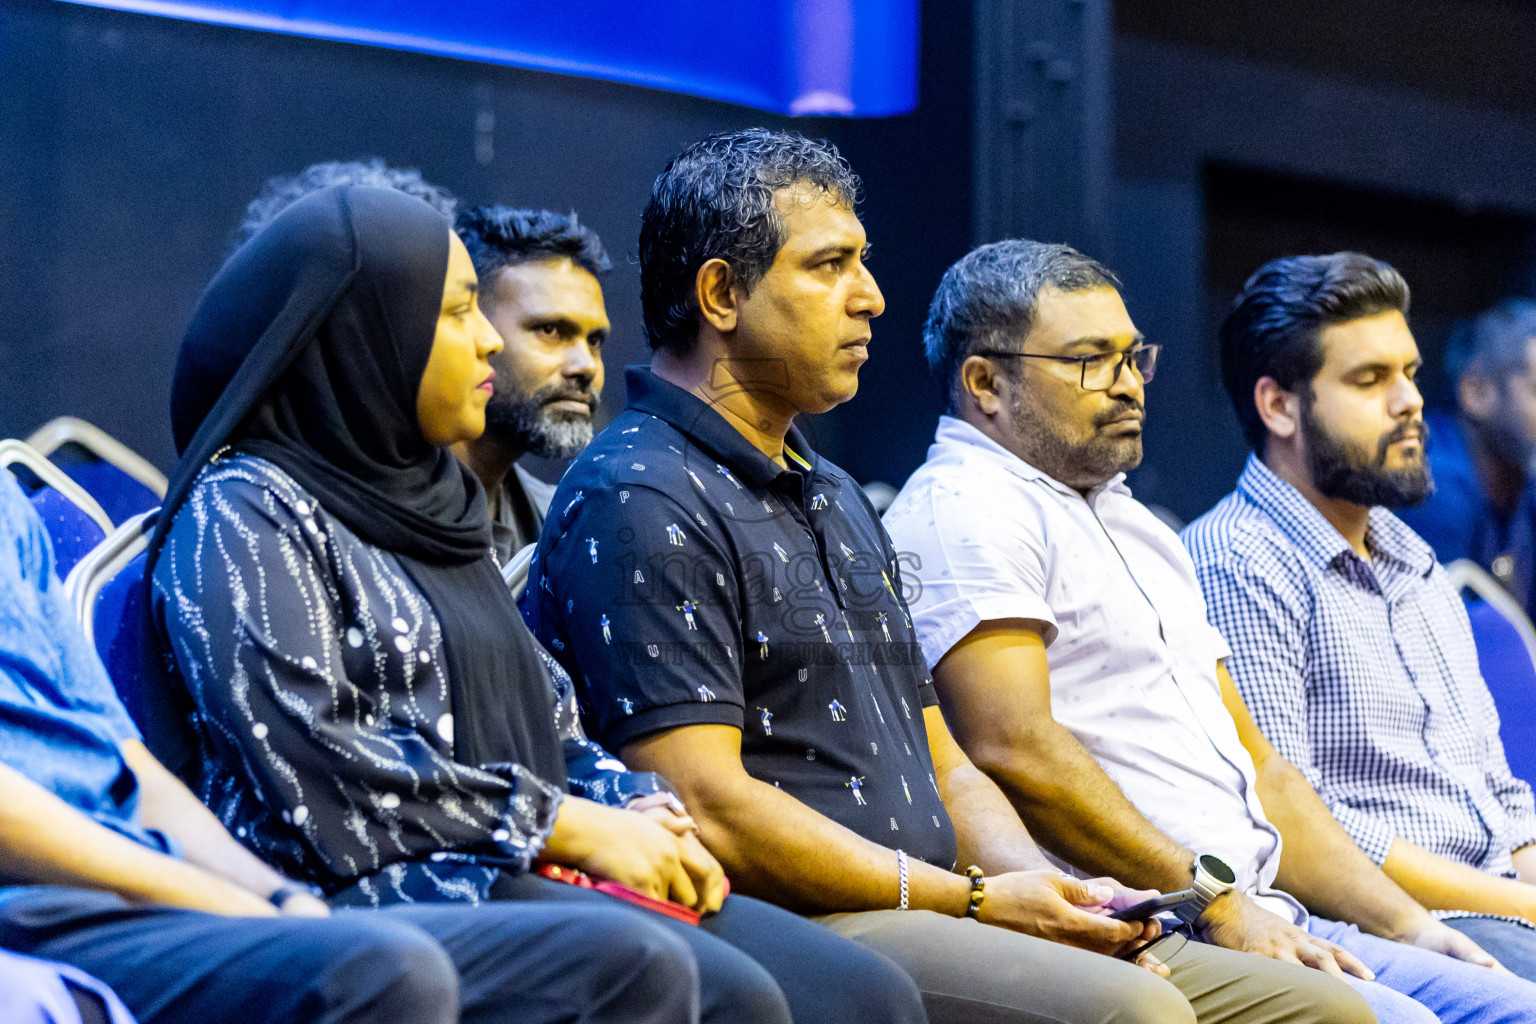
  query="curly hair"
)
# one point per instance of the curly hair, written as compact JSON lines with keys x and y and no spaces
{"x":716,"y":200}
{"x":1272,"y":329}
{"x":500,"y":236}
{"x":284,"y":190}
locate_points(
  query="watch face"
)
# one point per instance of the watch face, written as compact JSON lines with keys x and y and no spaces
{"x":1217,"y":869}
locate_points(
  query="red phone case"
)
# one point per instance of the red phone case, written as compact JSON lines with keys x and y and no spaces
{"x":571,"y":876}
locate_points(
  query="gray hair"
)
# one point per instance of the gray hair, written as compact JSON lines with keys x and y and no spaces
{"x":284,"y":190}
{"x":987,"y":299}
{"x":1493,"y":343}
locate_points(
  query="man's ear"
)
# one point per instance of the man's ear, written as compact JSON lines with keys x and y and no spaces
{"x":1278,"y":408}
{"x":1477,"y":395}
{"x":714,"y":289}
{"x":981,"y":384}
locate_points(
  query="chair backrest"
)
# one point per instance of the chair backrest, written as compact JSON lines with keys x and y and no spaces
{"x":107,"y":594}
{"x":1506,"y":653}
{"x":72,"y":531}
{"x":73,"y":519}
{"x":124,"y":482}
{"x":515,"y":573}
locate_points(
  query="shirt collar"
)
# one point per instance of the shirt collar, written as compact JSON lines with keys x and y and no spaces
{"x":694,"y":418}
{"x":954,"y":432}
{"x":1315,"y":537}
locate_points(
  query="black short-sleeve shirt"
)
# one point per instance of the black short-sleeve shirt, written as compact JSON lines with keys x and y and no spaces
{"x":683,"y":579}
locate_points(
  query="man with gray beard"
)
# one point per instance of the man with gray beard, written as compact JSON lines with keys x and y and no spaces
{"x":538,"y":285}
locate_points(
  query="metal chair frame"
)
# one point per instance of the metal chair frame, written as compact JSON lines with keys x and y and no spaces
{"x":515,"y":573}
{"x":105,"y":561}
{"x":66,"y":429}
{"x":1466,"y":574}
{"x":14,"y":452}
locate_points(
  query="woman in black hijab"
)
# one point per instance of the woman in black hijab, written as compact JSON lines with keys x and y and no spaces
{"x":370,"y":713}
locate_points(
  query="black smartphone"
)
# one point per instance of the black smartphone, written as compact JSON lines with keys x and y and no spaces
{"x":1156,"y":905}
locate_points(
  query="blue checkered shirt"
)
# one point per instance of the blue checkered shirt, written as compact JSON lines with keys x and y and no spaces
{"x":1362,"y":674}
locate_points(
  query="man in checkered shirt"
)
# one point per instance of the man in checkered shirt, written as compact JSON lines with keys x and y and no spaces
{"x":1071,"y":650}
{"x":1349,"y":644}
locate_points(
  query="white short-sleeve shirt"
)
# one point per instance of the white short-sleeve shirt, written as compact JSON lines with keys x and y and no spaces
{"x":986,"y":536}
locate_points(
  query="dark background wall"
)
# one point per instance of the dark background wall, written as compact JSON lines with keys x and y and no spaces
{"x":1249,"y":131}
{"x":1184,"y":141}
{"x":129,"y":146}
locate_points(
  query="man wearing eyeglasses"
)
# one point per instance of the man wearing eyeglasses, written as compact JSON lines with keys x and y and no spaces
{"x":1072,"y":657}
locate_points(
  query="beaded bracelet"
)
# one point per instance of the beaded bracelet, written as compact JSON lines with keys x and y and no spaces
{"x":901,"y":868}
{"x":978,"y":891}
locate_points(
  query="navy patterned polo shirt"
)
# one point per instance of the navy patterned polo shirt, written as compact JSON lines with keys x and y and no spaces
{"x":685,"y":579}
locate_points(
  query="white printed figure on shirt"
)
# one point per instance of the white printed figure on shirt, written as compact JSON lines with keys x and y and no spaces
{"x":904,"y":709}
{"x":705,"y":693}
{"x":572,"y":504}
{"x":767,"y":718}
{"x":839,"y":712}
{"x":727,"y":474}
{"x":853,"y":783}
{"x":847,"y":551}
{"x":628,"y":705}
{"x":695,"y":478}
{"x":905,"y":790}
{"x":631,"y":430}
{"x":675,"y":535}
{"x":818,"y":503}
{"x":688,"y":608}
{"x":762,"y":646}
{"x":783,"y":555}
{"x":888,"y":588}
{"x":592,"y":548}
{"x":881,"y":617}
{"x":607,"y":632}
{"x":821,"y":620}
{"x":876,"y":701}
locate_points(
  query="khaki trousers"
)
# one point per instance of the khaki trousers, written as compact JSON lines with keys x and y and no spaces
{"x":971,"y":973}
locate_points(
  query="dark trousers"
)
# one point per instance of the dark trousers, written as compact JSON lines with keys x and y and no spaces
{"x":751,"y":951}
{"x":527,"y":963}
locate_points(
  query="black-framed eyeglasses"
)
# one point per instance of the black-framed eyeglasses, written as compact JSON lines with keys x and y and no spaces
{"x":1100,"y":370}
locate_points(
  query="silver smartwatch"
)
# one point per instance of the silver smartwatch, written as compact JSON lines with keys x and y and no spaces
{"x":1212,"y":878}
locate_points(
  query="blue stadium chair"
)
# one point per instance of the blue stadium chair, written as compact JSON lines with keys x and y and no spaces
{"x":123,"y":482}
{"x":107,"y":594}
{"x":1506,"y":651}
{"x":74,"y":521}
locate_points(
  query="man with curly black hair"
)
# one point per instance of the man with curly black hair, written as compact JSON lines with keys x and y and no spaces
{"x":733,"y":612}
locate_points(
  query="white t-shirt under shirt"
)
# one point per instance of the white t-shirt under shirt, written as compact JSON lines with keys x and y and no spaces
{"x":1132,"y":657}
